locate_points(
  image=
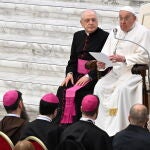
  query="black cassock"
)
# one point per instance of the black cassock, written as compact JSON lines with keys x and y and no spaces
{"x":43,"y":130}
{"x":81,"y":46}
{"x":132,"y":138}
{"x":91,"y":137}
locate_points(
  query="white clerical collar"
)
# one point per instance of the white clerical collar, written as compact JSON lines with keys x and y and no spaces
{"x":87,"y":120}
{"x":43,"y":117}
{"x":87,"y":33}
{"x":13,"y":115}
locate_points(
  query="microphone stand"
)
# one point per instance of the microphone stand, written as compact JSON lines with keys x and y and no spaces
{"x":115,"y":33}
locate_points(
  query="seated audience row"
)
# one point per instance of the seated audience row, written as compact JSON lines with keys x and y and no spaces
{"x":84,"y":131}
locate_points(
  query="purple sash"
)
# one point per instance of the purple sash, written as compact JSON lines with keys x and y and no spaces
{"x":81,"y":66}
{"x":69,"y":110}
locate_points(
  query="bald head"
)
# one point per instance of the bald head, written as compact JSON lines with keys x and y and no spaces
{"x":138,"y":115}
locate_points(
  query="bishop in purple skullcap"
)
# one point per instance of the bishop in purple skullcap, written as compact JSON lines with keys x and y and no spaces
{"x":10,"y":97}
{"x":90,"y":103}
{"x":50,"y":98}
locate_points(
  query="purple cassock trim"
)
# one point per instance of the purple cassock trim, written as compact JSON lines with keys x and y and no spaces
{"x":69,"y":110}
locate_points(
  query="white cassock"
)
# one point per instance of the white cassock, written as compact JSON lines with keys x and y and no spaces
{"x":120,"y":89}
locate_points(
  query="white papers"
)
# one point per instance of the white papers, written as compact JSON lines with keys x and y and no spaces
{"x":103,"y":58}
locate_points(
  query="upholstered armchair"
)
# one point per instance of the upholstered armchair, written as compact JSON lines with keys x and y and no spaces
{"x":5,"y":142}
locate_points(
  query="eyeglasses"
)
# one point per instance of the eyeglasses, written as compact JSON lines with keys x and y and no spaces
{"x":127,"y":18}
{"x":90,"y":19}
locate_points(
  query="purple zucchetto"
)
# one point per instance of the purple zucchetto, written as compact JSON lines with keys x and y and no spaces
{"x":10,"y":97}
{"x":50,"y":98}
{"x":90,"y":103}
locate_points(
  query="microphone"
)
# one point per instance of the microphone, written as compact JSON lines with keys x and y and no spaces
{"x":115,"y":33}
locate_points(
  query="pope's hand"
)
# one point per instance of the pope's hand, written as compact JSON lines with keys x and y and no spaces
{"x":117,"y":58}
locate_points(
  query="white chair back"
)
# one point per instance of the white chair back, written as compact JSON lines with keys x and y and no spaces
{"x":144,"y":15}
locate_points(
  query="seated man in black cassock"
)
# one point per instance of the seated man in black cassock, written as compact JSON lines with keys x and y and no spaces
{"x":85,"y":131}
{"x":80,"y":81}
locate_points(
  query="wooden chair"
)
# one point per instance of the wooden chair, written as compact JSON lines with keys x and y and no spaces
{"x":142,"y":70}
{"x":5,"y":142}
{"x":37,"y":143}
{"x":144,"y":19}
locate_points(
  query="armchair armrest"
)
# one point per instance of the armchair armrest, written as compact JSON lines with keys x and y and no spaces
{"x":141,"y":70}
{"x":91,"y":65}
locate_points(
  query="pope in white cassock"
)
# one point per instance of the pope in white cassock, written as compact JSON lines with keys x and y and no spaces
{"x":120,"y":89}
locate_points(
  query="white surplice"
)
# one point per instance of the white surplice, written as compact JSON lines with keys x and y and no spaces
{"x":120,"y":89}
